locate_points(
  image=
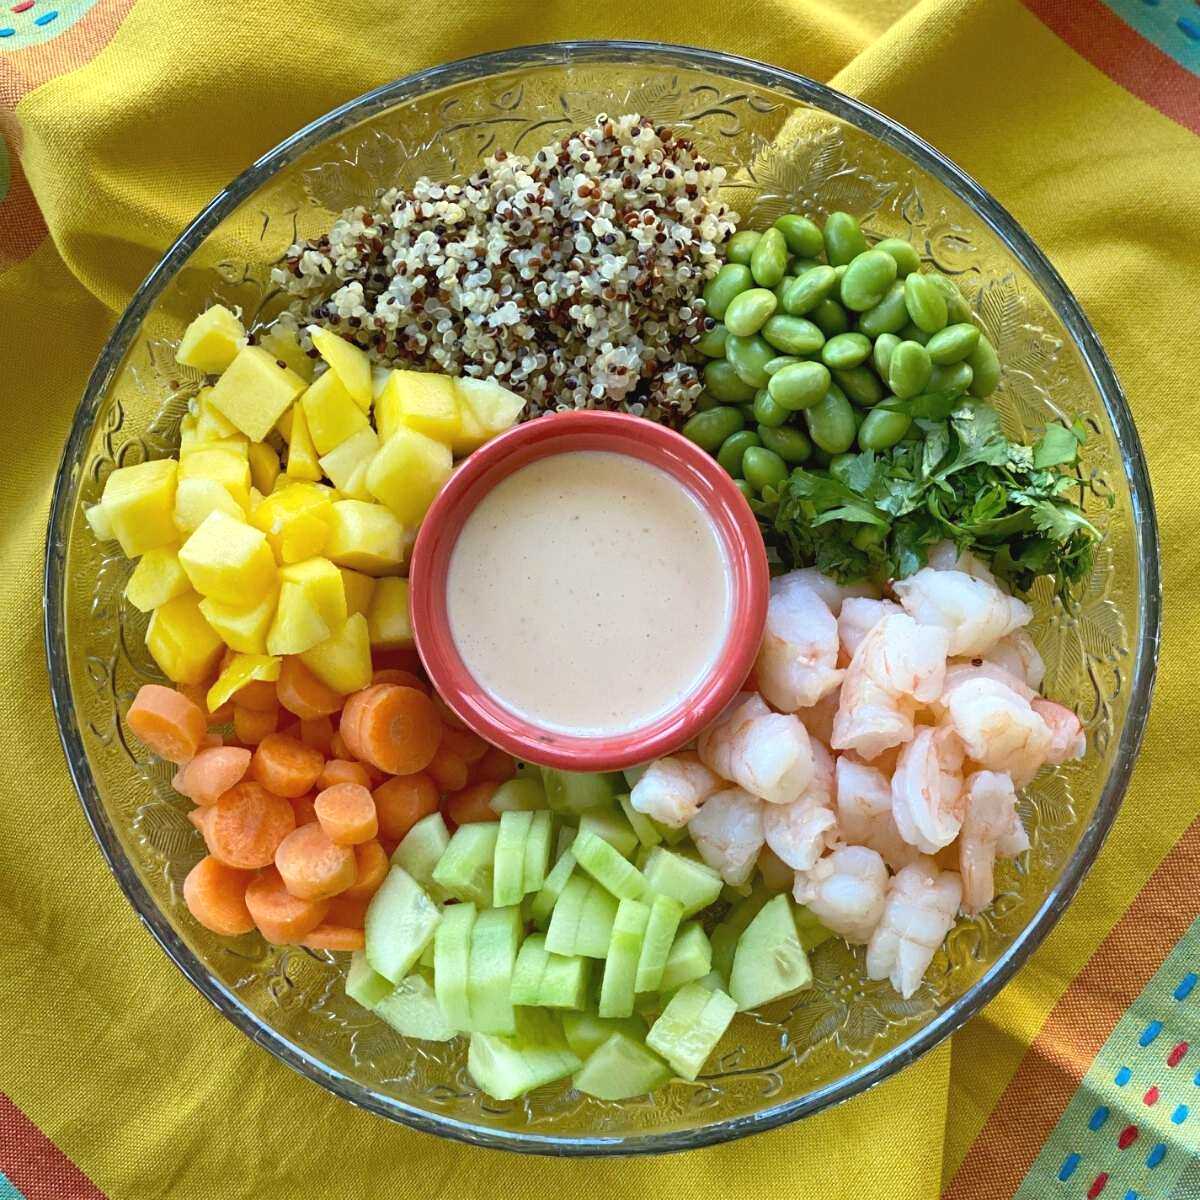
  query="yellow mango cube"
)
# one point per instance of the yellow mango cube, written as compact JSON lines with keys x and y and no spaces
{"x":157,"y":578}
{"x":350,"y":364}
{"x":211,"y":425}
{"x":195,"y":499}
{"x":322,"y":581}
{"x":285,"y":346}
{"x":366,"y":537}
{"x":296,"y":521}
{"x":97,"y":518}
{"x":408,"y":472}
{"x":238,"y":446}
{"x":388,"y":621}
{"x":331,"y":413}
{"x":242,"y":627}
{"x":283,"y":426}
{"x":343,"y":661}
{"x":228,"y":560}
{"x":427,"y":403}
{"x":379,"y":377}
{"x":356,"y":486}
{"x":471,"y":434}
{"x":139,"y":503}
{"x":264,"y":466}
{"x":297,"y":625}
{"x":359,"y":589}
{"x":222,"y":466}
{"x":302,"y":454}
{"x":182,"y":642}
{"x":494,"y":407}
{"x":211,"y":342}
{"x":342,"y":461}
{"x":254,"y":391}
{"x":241,"y":670}
{"x":388,"y":414}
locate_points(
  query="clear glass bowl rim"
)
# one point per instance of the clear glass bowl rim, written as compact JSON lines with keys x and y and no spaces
{"x":800,"y":89}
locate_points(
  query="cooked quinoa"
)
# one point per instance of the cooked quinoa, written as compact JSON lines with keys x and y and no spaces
{"x":572,"y":276}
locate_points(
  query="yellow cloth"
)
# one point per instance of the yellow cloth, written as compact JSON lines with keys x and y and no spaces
{"x":123,"y":135}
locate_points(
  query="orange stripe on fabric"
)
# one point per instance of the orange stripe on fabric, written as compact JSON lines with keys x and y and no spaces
{"x":1078,"y":1025}
{"x":22,"y":226}
{"x":34,"y":1165}
{"x":1099,"y":35}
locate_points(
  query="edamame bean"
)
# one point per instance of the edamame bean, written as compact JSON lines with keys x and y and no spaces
{"x":807,"y":290}
{"x":830,"y":318}
{"x":910,"y":333}
{"x":793,"y":335}
{"x":710,"y":428}
{"x":768,"y":263}
{"x":843,"y":239}
{"x":845,"y":350}
{"x":955,"y":379}
{"x":777,"y":364}
{"x":882,"y":429}
{"x":861,"y":384}
{"x":748,"y":356}
{"x":705,"y":402}
{"x":925,"y":303}
{"x":741,"y":246}
{"x":711,"y":342}
{"x":789,"y":443}
{"x":888,"y":316}
{"x":840,"y":273}
{"x":763,"y":468}
{"x":746,"y":490}
{"x":733,"y":448}
{"x":881,"y":354}
{"x":731,"y":280}
{"x":952,"y":344}
{"x":905,"y":254}
{"x":867,"y":279}
{"x":748,"y":311}
{"x":800,"y":385}
{"x":831,"y":423}
{"x":909,"y":370}
{"x":802,"y":235}
{"x":779,"y":291}
{"x":768,"y":412}
{"x":724,"y":382}
{"x":797,"y":266}
{"x":986,"y":367}
{"x":957,"y":309}
{"x":747,"y":411}
{"x":839,"y":466}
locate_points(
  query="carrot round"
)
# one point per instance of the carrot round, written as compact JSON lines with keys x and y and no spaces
{"x":396,"y":729}
{"x":199,"y":817}
{"x":285,"y":765}
{"x":347,"y":910}
{"x":258,"y":694}
{"x":495,"y":767}
{"x":347,"y":814}
{"x":305,"y":808}
{"x":197,"y":693}
{"x":281,"y":917}
{"x":246,"y":825}
{"x":449,"y":770}
{"x":372,"y":863}
{"x":251,"y":725}
{"x":168,"y":723}
{"x":334,"y":937}
{"x":402,"y":678}
{"x":469,"y":746}
{"x":317,"y":733}
{"x":216,"y":896}
{"x":312,"y":866}
{"x":210,"y":739}
{"x":471,"y":804}
{"x":352,"y":710}
{"x":401,"y":802}
{"x":211,"y":773}
{"x":342,"y":770}
{"x":302,"y":693}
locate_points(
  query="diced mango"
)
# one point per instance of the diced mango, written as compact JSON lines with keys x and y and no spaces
{"x":254,"y":391}
{"x":187,"y":426}
{"x":228,"y":560}
{"x":256,"y":498}
{"x":211,"y":425}
{"x":196,"y":498}
{"x":297,"y":624}
{"x":494,"y":407}
{"x":302,"y":454}
{"x":342,"y":461}
{"x":242,"y":627}
{"x":285,"y":346}
{"x":387,"y":619}
{"x":359,"y":589}
{"x":355,"y":488}
{"x":366,"y":537}
{"x":182,"y":642}
{"x":296,"y":521}
{"x":389,"y":415}
{"x":347,"y":361}
{"x":427,"y":403}
{"x":343,"y":661}
{"x":239,"y":671}
{"x":238,"y":445}
{"x":471,"y":434}
{"x":379,"y":377}
{"x":284,"y":425}
{"x":221,"y":466}
{"x":408,"y":472}
{"x":157,"y":578}
{"x":211,"y":342}
{"x":264,"y":466}
{"x":331,"y":412}
{"x":322,"y":581}
{"x":97,"y":518}
{"x":139,"y":502}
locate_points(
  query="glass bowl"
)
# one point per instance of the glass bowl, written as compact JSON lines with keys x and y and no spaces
{"x":789,"y":144}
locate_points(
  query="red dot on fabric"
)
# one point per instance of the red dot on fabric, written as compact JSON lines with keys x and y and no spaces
{"x":1151,"y":1097}
{"x":1176,"y":1055}
{"x":1097,"y":1185}
{"x":1127,"y":1137}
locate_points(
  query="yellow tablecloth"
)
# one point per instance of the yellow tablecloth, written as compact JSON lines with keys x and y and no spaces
{"x":120,"y":119}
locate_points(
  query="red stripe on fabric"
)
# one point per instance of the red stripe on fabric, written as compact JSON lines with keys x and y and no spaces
{"x":34,"y":1165}
{"x":1094,"y":31}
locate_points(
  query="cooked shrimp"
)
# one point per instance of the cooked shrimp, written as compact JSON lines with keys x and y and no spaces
{"x":766,"y":753}
{"x":976,"y":614}
{"x":946,"y":556}
{"x":728,"y":832}
{"x":864,"y":813}
{"x":672,"y":789}
{"x":919,"y":911}
{"x":999,"y":728}
{"x":845,"y":891}
{"x":858,"y":617}
{"x":797,"y":663}
{"x":1067,"y":739}
{"x":926,"y":798}
{"x":960,"y":670}
{"x":1017,"y":654}
{"x":799,"y":832}
{"x":832,"y":592}
{"x":991,"y":809}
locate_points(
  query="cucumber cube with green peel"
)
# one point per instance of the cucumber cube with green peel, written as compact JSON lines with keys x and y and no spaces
{"x":412,"y":1010}
{"x":537,"y":851}
{"x":421,"y":851}
{"x":812,"y":932}
{"x":621,"y":1068}
{"x":671,"y":835}
{"x":586,"y":1032}
{"x":537,"y":1054}
{"x":465,"y":869}
{"x":575,"y":793}
{"x":543,"y":903}
{"x":690,"y":1027}
{"x":508,"y":862}
{"x":632,"y":776}
{"x":524,"y":793}
{"x":694,"y":884}
{"x":364,"y":985}
{"x":690,"y":957}
{"x":726,"y":934}
{"x":581,"y":922}
{"x":620,"y":965}
{"x":565,"y":982}
{"x":607,"y":866}
{"x":665,"y":916}
{"x":452,"y":961}
{"x":612,"y":826}
{"x":529,"y":969}
{"x":426,"y":961}
{"x":495,"y":941}
{"x":645,"y":830}
{"x":400,"y":921}
{"x":770,"y":961}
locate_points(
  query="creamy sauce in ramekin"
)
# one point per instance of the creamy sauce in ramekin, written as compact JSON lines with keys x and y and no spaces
{"x":589,"y":593}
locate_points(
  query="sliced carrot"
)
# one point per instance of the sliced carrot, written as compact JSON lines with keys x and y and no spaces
{"x":312,"y":866}
{"x":342,"y":770}
{"x":197,"y":693}
{"x":402,"y":678}
{"x":449,"y":770}
{"x":211,"y":739}
{"x":258,"y":694}
{"x":216,"y":896}
{"x":199,"y":817}
{"x":396,"y":729}
{"x":317,"y":733}
{"x":246,"y":825}
{"x":495,"y":766}
{"x":449,"y":717}
{"x":372,"y":862}
{"x":287,"y":724}
{"x":211,"y":773}
{"x":347,"y":814}
{"x":350,"y":911}
{"x":334,"y":937}
{"x":402,"y":660}
{"x":305,"y":808}
{"x":285,"y":765}
{"x":281,"y":917}
{"x":401,"y":802}
{"x":349,"y":718}
{"x":471,"y":804}
{"x":252,"y":725}
{"x":168,"y":723}
{"x":467,"y":745}
{"x":339,"y":749}
{"x":302,"y":693}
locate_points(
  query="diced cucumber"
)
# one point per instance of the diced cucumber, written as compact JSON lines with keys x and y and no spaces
{"x":565,"y":982}
{"x":620,"y":965}
{"x":572,"y":792}
{"x":421,"y":850}
{"x":452,"y":961}
{"x":400,"y":920}
{"x":690,"y":957}
{"x":495,"y":940}
{"x":713,"y":981}
{"x":665,"y":915}
{"x":694,"y":884}
{"x":563,"y":840}
{"x":632,"y":775}
{"x":725,"y":935}
{"x":412,"y":1009}
{"x":641,"y":857}
{"x":812,"y":933}
{"x":525,"y":793}
{"x":735,"y":892}
{"x":581,"y":922}
{"x":622,"y":1068}
{"x":508,"y":863}
{"x":690,"y":1027}
{"x":643,"y":827}
{"x":605,"y":864}
{"x":531,"y":966}
{"x":465,"y":869}
{"x":428,"y":955}
{"x":507,"y":1067}
{"x":613,"y":828}
{"x":671,"y":835}
{"x":537,"y":851}
{"x":769,"y":962}
{"x":776,"y":875}
{"x":544,"y":902}
{"x":364,"y":985}
{"x":586,"y":1032}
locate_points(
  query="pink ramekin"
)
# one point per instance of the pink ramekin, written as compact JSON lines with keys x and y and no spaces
{"x":557,"y":434}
